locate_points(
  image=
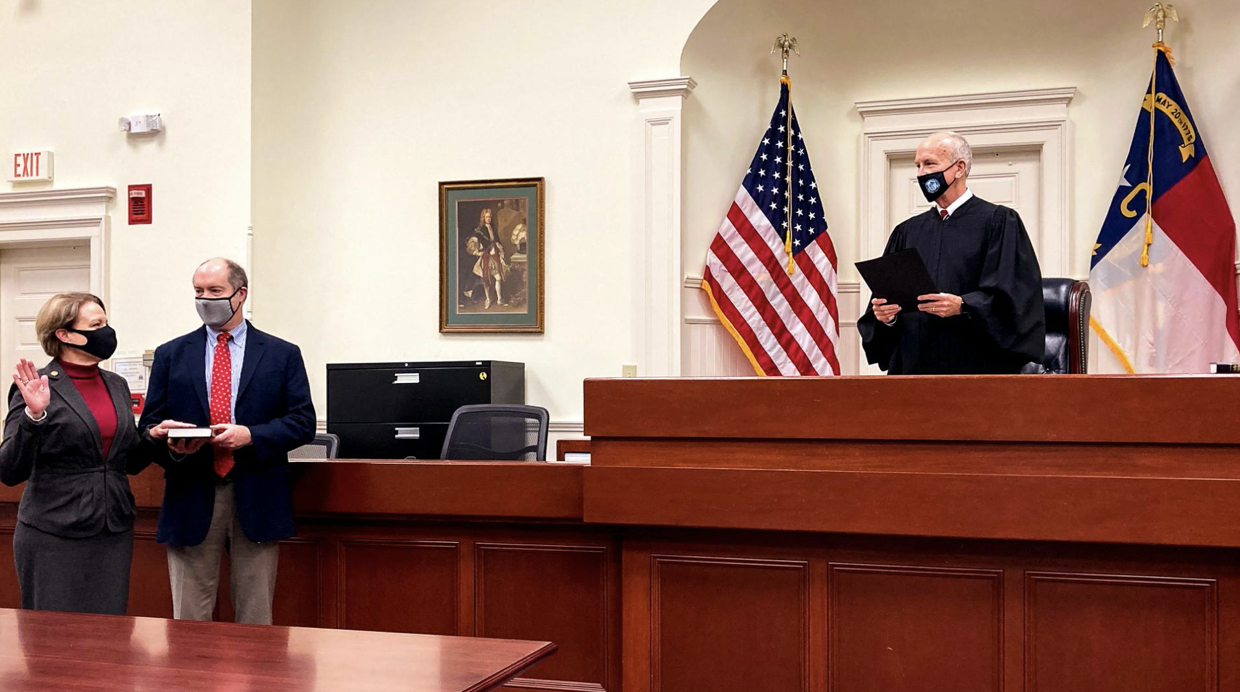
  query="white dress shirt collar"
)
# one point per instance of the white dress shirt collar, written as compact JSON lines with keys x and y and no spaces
{"x":238,"y":335}
{"x":951,"y":208}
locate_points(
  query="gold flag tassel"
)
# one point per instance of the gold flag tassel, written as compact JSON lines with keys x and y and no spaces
{"x":1149,"y":240}
{"x":1149,"y":165}
{"x":1158,"y":14}
{"x":785,"y":45}
{"x":785,"y":80}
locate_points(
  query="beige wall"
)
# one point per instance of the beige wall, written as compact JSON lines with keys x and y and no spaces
{"x":361,"y":108}
{"x":887,"y":49}
{"x":73,"y":67}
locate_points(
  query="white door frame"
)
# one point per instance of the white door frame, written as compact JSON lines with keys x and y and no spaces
{"x":1035,"y":118}
{"x":42,"y":217}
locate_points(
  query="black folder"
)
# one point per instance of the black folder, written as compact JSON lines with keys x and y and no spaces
{"x":898,"y":278}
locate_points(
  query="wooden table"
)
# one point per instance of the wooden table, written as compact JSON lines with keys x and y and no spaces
{"x":66,"y":652}
{"x":1038,"y":533}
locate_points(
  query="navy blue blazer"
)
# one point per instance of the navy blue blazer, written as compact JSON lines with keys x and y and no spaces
{"x":273,"y":401}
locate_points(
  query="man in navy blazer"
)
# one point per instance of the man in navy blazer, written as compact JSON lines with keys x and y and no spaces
{"x":230,"y":492}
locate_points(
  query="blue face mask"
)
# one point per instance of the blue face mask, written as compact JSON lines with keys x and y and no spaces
{"x":933,"y":185}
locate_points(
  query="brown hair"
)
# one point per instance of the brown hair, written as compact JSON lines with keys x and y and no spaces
{"x":60,"y":312}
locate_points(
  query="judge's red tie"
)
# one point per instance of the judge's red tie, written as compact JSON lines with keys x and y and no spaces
{"x":221,"y":398}
{"x":943,"y":213}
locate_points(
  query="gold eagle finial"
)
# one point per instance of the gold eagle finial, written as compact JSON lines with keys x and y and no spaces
{"x":785,"y":44}
{"x":1159,"y":14}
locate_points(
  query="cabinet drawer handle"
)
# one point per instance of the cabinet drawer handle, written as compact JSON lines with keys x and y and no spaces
{"x":407,"y":378}
{"x":408,"y":433}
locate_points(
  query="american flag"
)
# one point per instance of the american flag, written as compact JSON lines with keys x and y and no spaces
{"x":786,"y":322}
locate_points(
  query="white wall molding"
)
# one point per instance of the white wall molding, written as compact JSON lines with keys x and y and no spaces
{"x":566,"y":427}
{"x":702,"y":319}
{"x":843,"y":288}
{"x":19,"y":230}
{"x":654,"y":88}
{"x":84,"y":195}
{"x":932,"y":105}
{"x":43,"y":217}
{"x":694,"y":282}
{"x":657,"y":190}
{"x":696,"y":320}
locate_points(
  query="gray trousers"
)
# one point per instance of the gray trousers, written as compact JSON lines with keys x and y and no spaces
{"x":195,"y":570}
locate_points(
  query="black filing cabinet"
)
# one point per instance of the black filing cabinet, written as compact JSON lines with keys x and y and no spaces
{"x":399,"y":410}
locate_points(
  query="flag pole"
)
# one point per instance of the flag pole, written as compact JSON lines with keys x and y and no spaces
{"x":785,"y":45}
{"x":1158,"y":14}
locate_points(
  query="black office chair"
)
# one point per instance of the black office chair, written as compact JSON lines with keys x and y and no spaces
{"x":497,"y":432}
{"x":324,"y":446}
{"x":1067,"y":327}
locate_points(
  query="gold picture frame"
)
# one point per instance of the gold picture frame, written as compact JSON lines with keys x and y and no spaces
{"x":492,"y":248}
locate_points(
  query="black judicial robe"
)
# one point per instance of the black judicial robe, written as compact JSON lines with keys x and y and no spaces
{"x":982,"y":254}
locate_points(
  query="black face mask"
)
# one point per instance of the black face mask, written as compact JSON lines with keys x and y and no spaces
{"x":100,"y":343}
{"x":933,"y":185}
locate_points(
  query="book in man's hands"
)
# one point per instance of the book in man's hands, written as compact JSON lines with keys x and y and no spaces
{"x":189,"y":433}
{"x":898,"y":278}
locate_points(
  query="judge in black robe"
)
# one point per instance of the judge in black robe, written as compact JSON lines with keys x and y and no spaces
{"x":989,"y":317}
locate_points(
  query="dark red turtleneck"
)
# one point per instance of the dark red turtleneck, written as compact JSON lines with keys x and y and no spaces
{"x":90,"y":385}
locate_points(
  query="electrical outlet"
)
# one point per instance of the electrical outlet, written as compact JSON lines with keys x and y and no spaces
{"x":628,"y":371}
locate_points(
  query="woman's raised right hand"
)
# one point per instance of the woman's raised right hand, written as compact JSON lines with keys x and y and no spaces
{"x":33,"y":386}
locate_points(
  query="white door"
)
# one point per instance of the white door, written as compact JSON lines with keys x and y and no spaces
{"x":1011,"y":177}
{"x":28,"y":277}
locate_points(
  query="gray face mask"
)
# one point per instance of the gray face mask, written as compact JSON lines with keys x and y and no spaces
{"x":215,"y":312}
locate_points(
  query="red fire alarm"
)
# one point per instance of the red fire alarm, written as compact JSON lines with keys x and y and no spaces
{"x":136,"y":401}
{"x":139,"y":204}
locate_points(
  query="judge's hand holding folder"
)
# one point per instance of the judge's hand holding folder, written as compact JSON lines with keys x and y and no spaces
{"x":901,"y":281}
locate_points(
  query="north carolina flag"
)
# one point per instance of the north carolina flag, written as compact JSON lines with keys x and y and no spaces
{"x":1164,"y":283}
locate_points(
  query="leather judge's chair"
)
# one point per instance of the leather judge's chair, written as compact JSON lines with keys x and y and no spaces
{"x":1067,"y":327}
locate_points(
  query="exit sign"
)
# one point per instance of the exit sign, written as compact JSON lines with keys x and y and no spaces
{"x":30,"y":165}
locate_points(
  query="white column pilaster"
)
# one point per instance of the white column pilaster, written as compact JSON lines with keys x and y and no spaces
{"x":657,"y":158}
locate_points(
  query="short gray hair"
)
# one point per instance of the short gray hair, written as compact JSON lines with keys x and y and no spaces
{"x":960,"y":149}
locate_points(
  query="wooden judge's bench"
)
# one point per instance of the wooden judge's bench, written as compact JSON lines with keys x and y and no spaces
{"x":882,"y":533}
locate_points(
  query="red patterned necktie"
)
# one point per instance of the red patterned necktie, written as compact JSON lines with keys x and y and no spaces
{"x":221,"y":398}
{"x":943,"y":214}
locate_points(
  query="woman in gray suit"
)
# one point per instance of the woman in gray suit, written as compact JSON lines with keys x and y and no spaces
{"x":70,"y":436}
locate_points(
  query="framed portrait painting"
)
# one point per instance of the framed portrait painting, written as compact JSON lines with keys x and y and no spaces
{"x":491,"y":244}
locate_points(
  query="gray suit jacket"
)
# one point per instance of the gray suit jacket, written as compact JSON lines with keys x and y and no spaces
{"x":71,"y":490}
